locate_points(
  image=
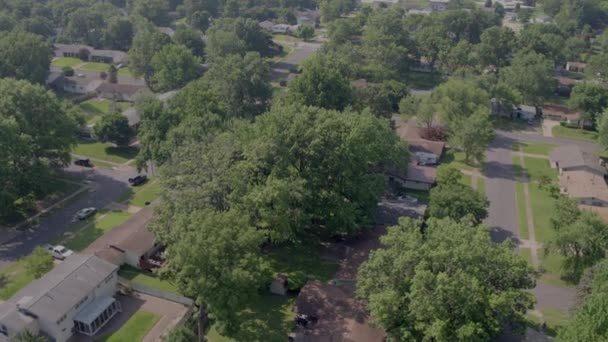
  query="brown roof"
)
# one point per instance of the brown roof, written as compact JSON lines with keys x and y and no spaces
{"x":584,"y":184}
{"x":340,"y":317}
{"x":566,"y":81}
{"x":561,"y":111}
{"x":125,"y":89}
{"x":421,"y":174}
{"x":573,"y":156}
{"x":427,"y":146}
{"x":360,"y":83}
{"x":578,"y":65}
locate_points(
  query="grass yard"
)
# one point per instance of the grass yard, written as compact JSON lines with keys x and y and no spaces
{"x":268,"y":318}
{"x":542,"y":203}
{"x":466,"y":180}
{"x":138,"y":196}
{"x":534,"y":148}
{"x":551,"y":264}
{"x":481,"y":185}
{"x":522,"y":217}
{"x":103,"y":223}
{"x":12,"y":279}
{"x":94,"y":66}
{"x":574,"y":133}
{"x":135,"y":329}
{"x":105,"y":151}
{"x":146,"y":279}
{"x":506,"y":124}
{"x":423,"y":80}
{"x":61,"y":62}
{"x":94,"y":108}
{"x":286,"y":38}
{"x":421,"y":195}
{"x":456,"y":159}
{"x":553,"y":319}
{"x":287,"y":51}
{"x":526,"y":253}
{"x":125,"y":72}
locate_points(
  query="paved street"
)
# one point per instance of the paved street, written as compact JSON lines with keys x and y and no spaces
{"x":502,"y":215}
{"x":280,"y":70}
{"x":107,"y":185}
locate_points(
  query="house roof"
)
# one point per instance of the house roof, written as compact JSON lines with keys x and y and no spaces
{"x":421,"y":174}
{"x":574,"y":156}
{"x":119,"y":88}
{"x":141,"y":238}
{"x":12,"y":318}
{"x":360,"y":83}
{"x":584,"y":184}
{"x":579,"y":65}
{"x":58,"y":291}
{"x":561,"y":111}
{"x":75,"y":48}
{"x":90,"y":84}
{"x":266,"y":24}
{"x":426,"y":146}
{"x":167,"y":30}
{"x":566,"y":81}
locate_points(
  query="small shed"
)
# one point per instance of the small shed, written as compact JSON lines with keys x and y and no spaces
{"x":279,"y":285}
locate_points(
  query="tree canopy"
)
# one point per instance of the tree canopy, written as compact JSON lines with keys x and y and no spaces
{"x":447,"y":283}
{"x":24,"y":56}
{"x":172,"y":67}
{"x":114,"y":127}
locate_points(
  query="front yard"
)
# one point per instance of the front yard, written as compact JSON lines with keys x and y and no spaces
{"x":61,"y":62}
{"x":12,"y":279}
{"x":105,"y":151}
{"x":94,"y":66}
{"x":103,"y":223}
{"x":135,"y":329}
{"x":138,"y":196}
{"x":143,"y":278}
{"x":94,"y":108}
{"x":534,"y":148}
{"x":574,"y":133}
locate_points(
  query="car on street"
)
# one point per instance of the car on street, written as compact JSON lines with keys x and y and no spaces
{"x":86,"y":162}
{"x":138,"y":180}
{"x":58,"y":252}
{"x":85,"y":213}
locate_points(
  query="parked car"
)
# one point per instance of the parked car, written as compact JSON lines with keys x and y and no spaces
{"x":85,"y":213}
{"x":58,"y":252}
{"x":138,"y":180}
{"x":86,"y":162}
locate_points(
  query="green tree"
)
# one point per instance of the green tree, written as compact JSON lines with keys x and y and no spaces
{"x":199,"y":20}
{"x":154,"y":10}
{"x":27,"y":336}
{"x":455,"y":200}
{"x":39,"y":262}
{"x":457,"y":57}
{"x":374,"y":97}
{"x":305,"y":32}
{"x":190,"y":38}
{"x":118,"y":33}
{"x":112,"y":74}
{"x":532,"y":75}
{"x":24,"y":56}
{"x":147,"y":42}
{"x":589,"y":322}
{"x":114,"y":127}
{"x":497,"y":45}
{"x":545,"y":40}
{"x":172,"y":67}
{"x":180,"y":334}
{"x":236,"y":36}
{"x":449,"y":283}
{"x":473,"y":135}
{"x":37,"y":134}
{"x":603,"y":130}
{"x":322,"y":83}
{"x":589,"y":98}
{"x":598,"y":66}
{"x":243,"y":83}
{"x":342,"y":30}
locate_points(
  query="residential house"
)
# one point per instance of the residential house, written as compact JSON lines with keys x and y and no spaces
{"x":266,"y":25}
{"x":94,"y":55}
{"x":542,"y":19}
{"x":439,"y":5}
{"x":77,"y":296}
{"x":308,"y":17}
{"x":523,"y":112}
{"x":426,"y":152}
{"x":565,"y":85}
{"x":581,"y":176}
{"x":120,"y":92}
{"x":561,"y":113}
{"x":167,"y":30}
{"x":576,"y":66}
{"x":134,"y":117}
{"x":380,"y":3}
{"x":131,"y":243}
{"x":419,"y":11}
{"x":78,"y":84}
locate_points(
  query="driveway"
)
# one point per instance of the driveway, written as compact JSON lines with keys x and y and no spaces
{"x":107,"y":185}
{"x":548,"y":127}
{"x":281,"y":70}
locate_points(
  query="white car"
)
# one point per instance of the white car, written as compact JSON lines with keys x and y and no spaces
{"x":59,"y":252}
{"x":83,"y":214}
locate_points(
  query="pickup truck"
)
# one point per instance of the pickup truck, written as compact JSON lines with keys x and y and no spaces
{"x":58,"y":252}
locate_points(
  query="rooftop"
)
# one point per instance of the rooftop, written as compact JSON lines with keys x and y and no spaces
{"x":119,"y":88}
{"x":584,"y":184}
{"x":426,"y":146}
{"x":564,"y":112}
{"x":574,"y":156}
{"x":63,"y":287}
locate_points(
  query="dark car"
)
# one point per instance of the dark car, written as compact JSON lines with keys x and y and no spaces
{"x":138,"y":180}
{"x":83,"y":162}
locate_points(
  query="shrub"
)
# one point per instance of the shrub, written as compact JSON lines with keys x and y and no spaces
{"x":67,"y":71}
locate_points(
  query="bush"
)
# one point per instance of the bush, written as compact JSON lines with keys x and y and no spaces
{"x":67,"y":71}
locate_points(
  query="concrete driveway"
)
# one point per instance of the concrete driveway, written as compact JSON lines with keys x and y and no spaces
{"x":107,"y":185}
{"x":548,"y":127}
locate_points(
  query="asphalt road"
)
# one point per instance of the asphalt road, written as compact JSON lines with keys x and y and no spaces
{"x":281,"y":70}
{"x":107,"y":185}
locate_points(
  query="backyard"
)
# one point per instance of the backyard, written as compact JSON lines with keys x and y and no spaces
{"x":105,"y":151}
{"x":534,"y":147}
{"x":94,"y":108}
{"x":138,"y":196}
{"x":146,"y":279}
{"x":135,"y":329}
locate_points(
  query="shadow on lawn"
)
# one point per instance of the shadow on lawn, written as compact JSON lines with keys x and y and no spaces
{"x":126,"y":152}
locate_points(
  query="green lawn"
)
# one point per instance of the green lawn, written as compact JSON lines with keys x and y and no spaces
{"x":287,"y":50}
{"x":522,"y":218}
{"x":551,"y":264}
{"x":421,"y":195}
{"x":466,"y":180}
{"x":103,"y":223}
{"x":65,"y":61}
{"x":542,"y":203}
{"x":534,"y":147}
{"x":423,"y":80}
{"x":105,"y":151}
{"x":135,"y":329}
{"x":456,"y":159}
{"x":125,"y":72}
{"x":506,"y":124}
{"x":12,"y":279}
{"x":150,"y":280}
{"x":574,"y":133}
{"x":267,"y":318}
{"x":286,"y":38}
{"x":552,"y":318}
{"x":481,"y":185}
{"x":138,"y":196}
{"x":94,"y":108}
{"x":94,"y":66}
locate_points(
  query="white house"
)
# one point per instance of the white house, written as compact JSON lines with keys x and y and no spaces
{"x":75,"y":296}
{"x":439,"y":5}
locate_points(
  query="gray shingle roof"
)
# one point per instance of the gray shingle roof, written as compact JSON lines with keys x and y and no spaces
{"x":64,"y":286}
{"x":572,"y":156}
